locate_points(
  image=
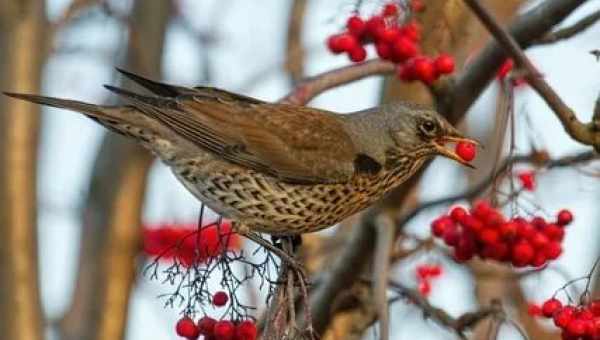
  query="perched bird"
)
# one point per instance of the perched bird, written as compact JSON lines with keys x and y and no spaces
{"x":274,"y":168}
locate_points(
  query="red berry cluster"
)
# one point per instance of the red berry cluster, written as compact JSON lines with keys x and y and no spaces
{"x":394,"y":42}
{"x":527,"y":179}
{"x":576,"y":322}
{"x":424,"y":274}
{"x":486,"y":232}
{"x":171,"y":241}
{"x":212,"y":329}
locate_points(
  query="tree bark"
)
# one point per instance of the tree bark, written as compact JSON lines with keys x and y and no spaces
{"x":22,"y":27}
{"x":111,"y":237}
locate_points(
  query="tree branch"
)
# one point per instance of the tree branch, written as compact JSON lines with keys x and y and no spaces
{"x":584,"y":133}
{"x":569,"y":32}
{"x":313,"y":86}
{"x":454,"y":100}
{"x":458,"y":325}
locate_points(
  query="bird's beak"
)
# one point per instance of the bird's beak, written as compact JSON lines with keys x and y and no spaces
{"x":440,"y":145}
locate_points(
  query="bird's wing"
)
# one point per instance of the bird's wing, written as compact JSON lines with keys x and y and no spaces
{"x":294,"y":143}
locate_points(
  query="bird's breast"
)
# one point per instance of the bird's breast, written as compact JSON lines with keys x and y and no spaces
{"x":271,"y":206}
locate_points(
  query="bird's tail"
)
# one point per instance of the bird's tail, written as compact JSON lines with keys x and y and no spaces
{"x":92,"y":110}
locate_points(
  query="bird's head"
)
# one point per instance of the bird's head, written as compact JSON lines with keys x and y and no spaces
{"x":423,"y":133}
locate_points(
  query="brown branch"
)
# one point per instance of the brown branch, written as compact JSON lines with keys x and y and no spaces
{"x":313,"y":86}
{"x":584,"y":133}
{"x":569,"y":32}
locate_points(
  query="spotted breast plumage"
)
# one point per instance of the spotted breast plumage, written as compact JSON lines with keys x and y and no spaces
{"x":275,"y":168}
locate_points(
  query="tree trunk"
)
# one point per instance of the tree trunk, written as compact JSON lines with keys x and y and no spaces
{"x":22,"y":27}
{"x":111,"y":237}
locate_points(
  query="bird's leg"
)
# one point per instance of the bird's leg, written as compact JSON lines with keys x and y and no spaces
{"x":283,"y":255}
{"x":295,"y":239}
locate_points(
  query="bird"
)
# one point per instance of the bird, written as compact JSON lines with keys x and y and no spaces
{"x":273,"y":168}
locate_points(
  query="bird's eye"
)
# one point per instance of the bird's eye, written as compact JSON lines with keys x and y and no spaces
{"x":428,"y":127}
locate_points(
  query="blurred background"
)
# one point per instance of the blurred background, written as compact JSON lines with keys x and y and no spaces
{"x":74,"y":196}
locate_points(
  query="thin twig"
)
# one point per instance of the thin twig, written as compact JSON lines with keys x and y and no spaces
{"x":581,"y":132}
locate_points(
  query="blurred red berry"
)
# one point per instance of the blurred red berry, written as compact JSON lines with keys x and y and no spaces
{"x":553,"y":250}
{"x":384,"y":51}
{"x":554,"y":232}
{"x":444,"y":64}
{"x":424,"y":70}
{"x":417,"y":5}
{"x":452,"y":237}
{"x":406,"y":72}
{"x":424,"y":287}
{"x":374,"y":26}
{"x":441,"y":225}
{"x":404,"y":49}
{"x":539,"y":259}
{"x":527,"y":179}
{"x":472,"y":223}
{"x":389,"y":35}
{"x":422,"y":272}
{"x":186,"y":327}
{"x":347,"y":42}
{"x":565,"y":217}
{"x":390,"y":10}
{"x":508,"y":230}
{"x":465,"y":150}
{"x":525,"y":230}
{"x":550,"y":307}
{"x":534,"y":309}
{"x":356,"y":26}
{"x":538,"y":222}
{"x":563,"y":316}
{"x":245,"y":330}
{"x":505,"y":68}
{"x":489,"y":236}
{"x":458,"y":214}
{"x":224,"y":330}
{"x":576,"y":327}
{"x":357,"y":54}
{"x":333,"y":43}
{"x":206,"y":325}
{"x":522,"y":254}
{"x":412,"y":31}
{"x":540,"y":240}
{"x":220,"y":299}
{"x":435,"y":270}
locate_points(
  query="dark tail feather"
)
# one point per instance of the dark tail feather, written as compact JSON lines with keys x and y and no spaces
{"x":155,"y":87}
{"x":139,"y":100}
{"x":73,"y":105}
